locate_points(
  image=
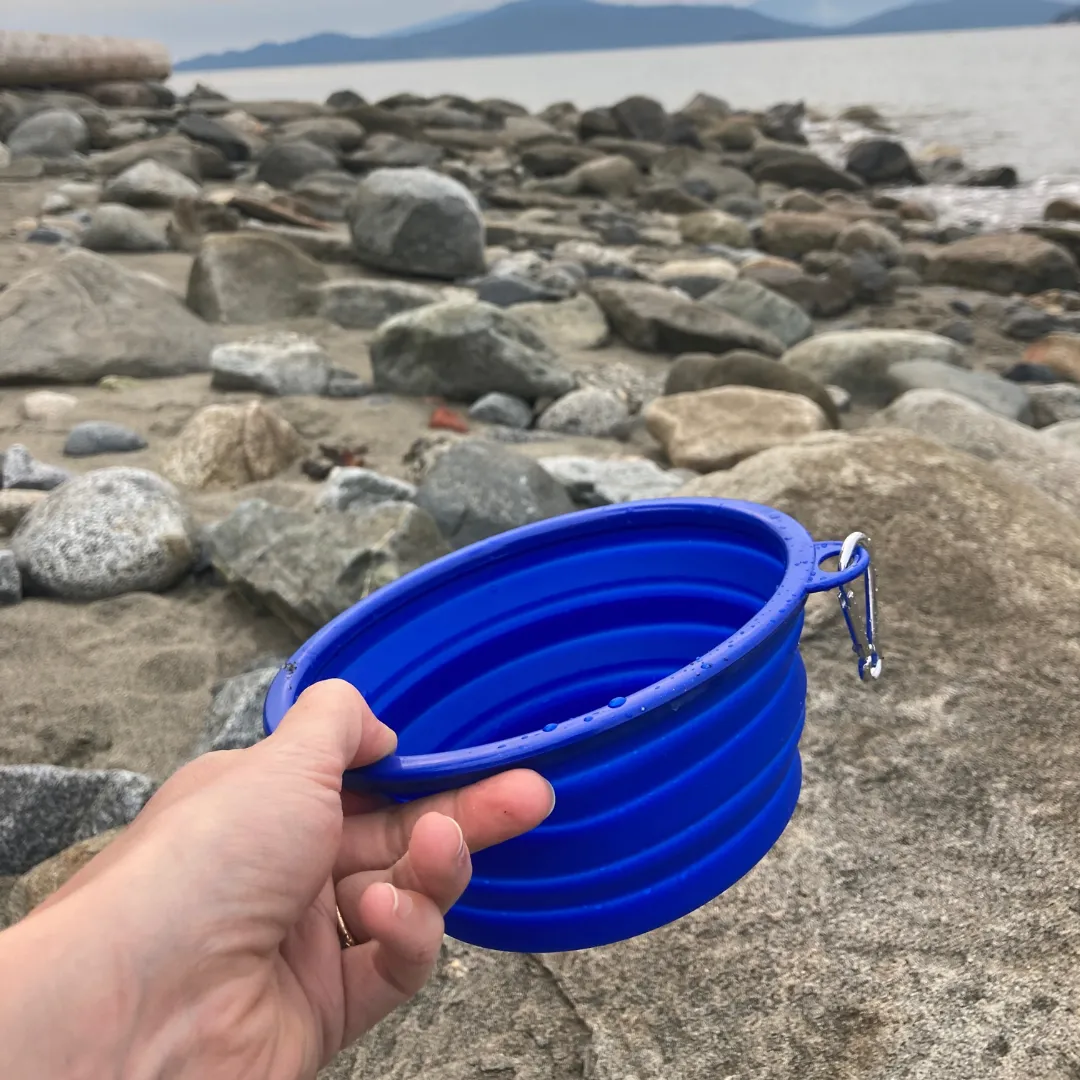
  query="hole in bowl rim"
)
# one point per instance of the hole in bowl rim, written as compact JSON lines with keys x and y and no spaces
{"x":802,"y":575}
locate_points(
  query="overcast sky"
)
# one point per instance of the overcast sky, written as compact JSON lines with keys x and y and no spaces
{"x":190,"y":27}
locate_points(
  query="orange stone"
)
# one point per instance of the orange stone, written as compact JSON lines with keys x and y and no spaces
{"x":1059,"y":352}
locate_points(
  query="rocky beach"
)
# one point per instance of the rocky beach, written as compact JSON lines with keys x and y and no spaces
{"x":260,"y":358}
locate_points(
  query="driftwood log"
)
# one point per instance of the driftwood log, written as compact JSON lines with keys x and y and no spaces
{"x":75,"y":59}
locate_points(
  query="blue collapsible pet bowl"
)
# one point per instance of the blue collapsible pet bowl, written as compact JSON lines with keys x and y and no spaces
{"x":645,"y":659}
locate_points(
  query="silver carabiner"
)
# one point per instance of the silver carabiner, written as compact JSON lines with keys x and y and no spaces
{"x":861,"y":612}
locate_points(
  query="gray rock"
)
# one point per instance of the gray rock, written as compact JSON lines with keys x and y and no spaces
{"x":503,"y":409}
{"x":46,"y":809}
{"x":52,"y":133}
{"x":244,"y":278}
{"x":10,"y":579}
{"x":859,"y":360}
{"x":658,"y":320}
{"x":335,"y":133}
{"x":463,"y":350}
{"x":1023,"y":455}
{"x":475,"y":490}
{"x":991,"y":392}
{"x":1004,"y":263}
{"x":566,"y":325}
{"x":107,"y":532}
{"x":598,"y":482}
{"x":215,"y":133}
{"x":279,"y":364}
{"x":882,"y":161}
{"x":123,"y":228}
{"x":101,"y":437}
{"x":416,"y":221}
{"x":150,"y":184}
{"x":288,"y":162}
{"x":308,"y":568}
{"x":798,"y":169}
{"x":506,"y":290}
{"x":701,"y":371}
{"x":21,"y":471}
{"x":1054,"y":403}
{"x":360,"y":489}
{"x":234,"y":720}
{"x":83,"y":317}
{"x":365,"y":304}
{"x":760,"y":306}
{"x":588,"y":411}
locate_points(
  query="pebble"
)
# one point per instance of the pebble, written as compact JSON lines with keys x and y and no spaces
{"x":234,"y":720}
{"x":348,"y":488}
{"x":105,"y":533}
{"x":101,"y":437}
{"x":24,"y":472}
{"x":150,"y":184}
{"x":10,"y":579}
{"x":503,"y":409}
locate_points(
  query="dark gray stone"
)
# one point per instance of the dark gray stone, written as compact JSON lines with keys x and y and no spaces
{"x":463,"y":350}
{"x":286,"y":163}
{"x":882,"y":161}
{"x":101,"y":437}
{"x":235,"y":718}
{"x":360,"y":489}
{"x":476,"y":489}
{"x":10,"y":579}
{"x":205,"y":129}
{"x":416,"y":221}
{"x":760,"y":306}
{"x":365,"y":304}
{"x":505,"y":290}
{"x":107,"y":532}
{"x":22,"y":471}
{"x":44,"y":809}
{"x":503,"y":409}
{"x":308,"y":568}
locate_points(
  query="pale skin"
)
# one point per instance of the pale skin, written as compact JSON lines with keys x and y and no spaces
{"x":203,"y":943}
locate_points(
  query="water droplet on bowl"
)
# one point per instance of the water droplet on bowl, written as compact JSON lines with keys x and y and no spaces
{"x":616,"y":703}
{"x":588,"y":719}
{"x":551,"y":727}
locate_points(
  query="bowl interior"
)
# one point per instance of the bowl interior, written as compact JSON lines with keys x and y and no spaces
{"x":507,"y":640}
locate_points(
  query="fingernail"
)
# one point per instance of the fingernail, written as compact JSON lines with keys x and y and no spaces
{"x":552,"y":807}
{"x":463,"y":850}
{"x":402,"y":902}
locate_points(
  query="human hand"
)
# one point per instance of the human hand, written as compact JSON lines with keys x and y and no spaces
{"x":217,"y":907}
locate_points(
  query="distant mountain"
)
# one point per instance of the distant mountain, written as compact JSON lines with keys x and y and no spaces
{"x":431,"y":24}
{"x":525,"y":26}
{"x":822,"y":12}
{"x":959,"y":15}
{"x":1070,"y":16}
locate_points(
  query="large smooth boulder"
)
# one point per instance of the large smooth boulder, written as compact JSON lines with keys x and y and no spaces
{"x":798,"y":169}
{"x":48,"y":808}
{"x":417,"y":221}
{"x":655,"y":319}
{"x":463,"y":350}
{"x":114,"y":227}
{"x":150,"y":184}
{"x":1024,"y":455}
{"x":752,"y":302}
{"x":989,"y":391}
{"x":248,"y":278}
{"x":289,"y":162}
{"x":859,"y":360}
{"x":791,"y":234}
{"x":105,"y":533}
{"x":308,"y":568}
{"x":477,"y":489}
{"x":714,"y":429}
{"x":232,"y":445}
{"x":566,"y":325}
{"x":882,"y":161}
{"x":916,"y":917}
{"x":84,"y":317}
{"x":1004,"y":263}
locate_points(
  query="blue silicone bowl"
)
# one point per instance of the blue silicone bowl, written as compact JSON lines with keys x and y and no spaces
{"x":642,"y":657}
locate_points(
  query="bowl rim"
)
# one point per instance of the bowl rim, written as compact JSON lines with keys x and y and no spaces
{"x":802,"y":575}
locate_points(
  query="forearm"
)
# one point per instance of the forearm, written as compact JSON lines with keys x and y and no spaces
{"x":66,"y":1007}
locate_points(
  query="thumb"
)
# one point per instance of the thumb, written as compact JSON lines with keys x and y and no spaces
{"x":331,"y":724}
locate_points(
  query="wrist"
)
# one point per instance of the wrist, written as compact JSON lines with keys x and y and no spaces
{"x":69,"y":1003}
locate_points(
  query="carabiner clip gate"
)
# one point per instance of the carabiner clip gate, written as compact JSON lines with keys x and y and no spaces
{"x":860,"y":611}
